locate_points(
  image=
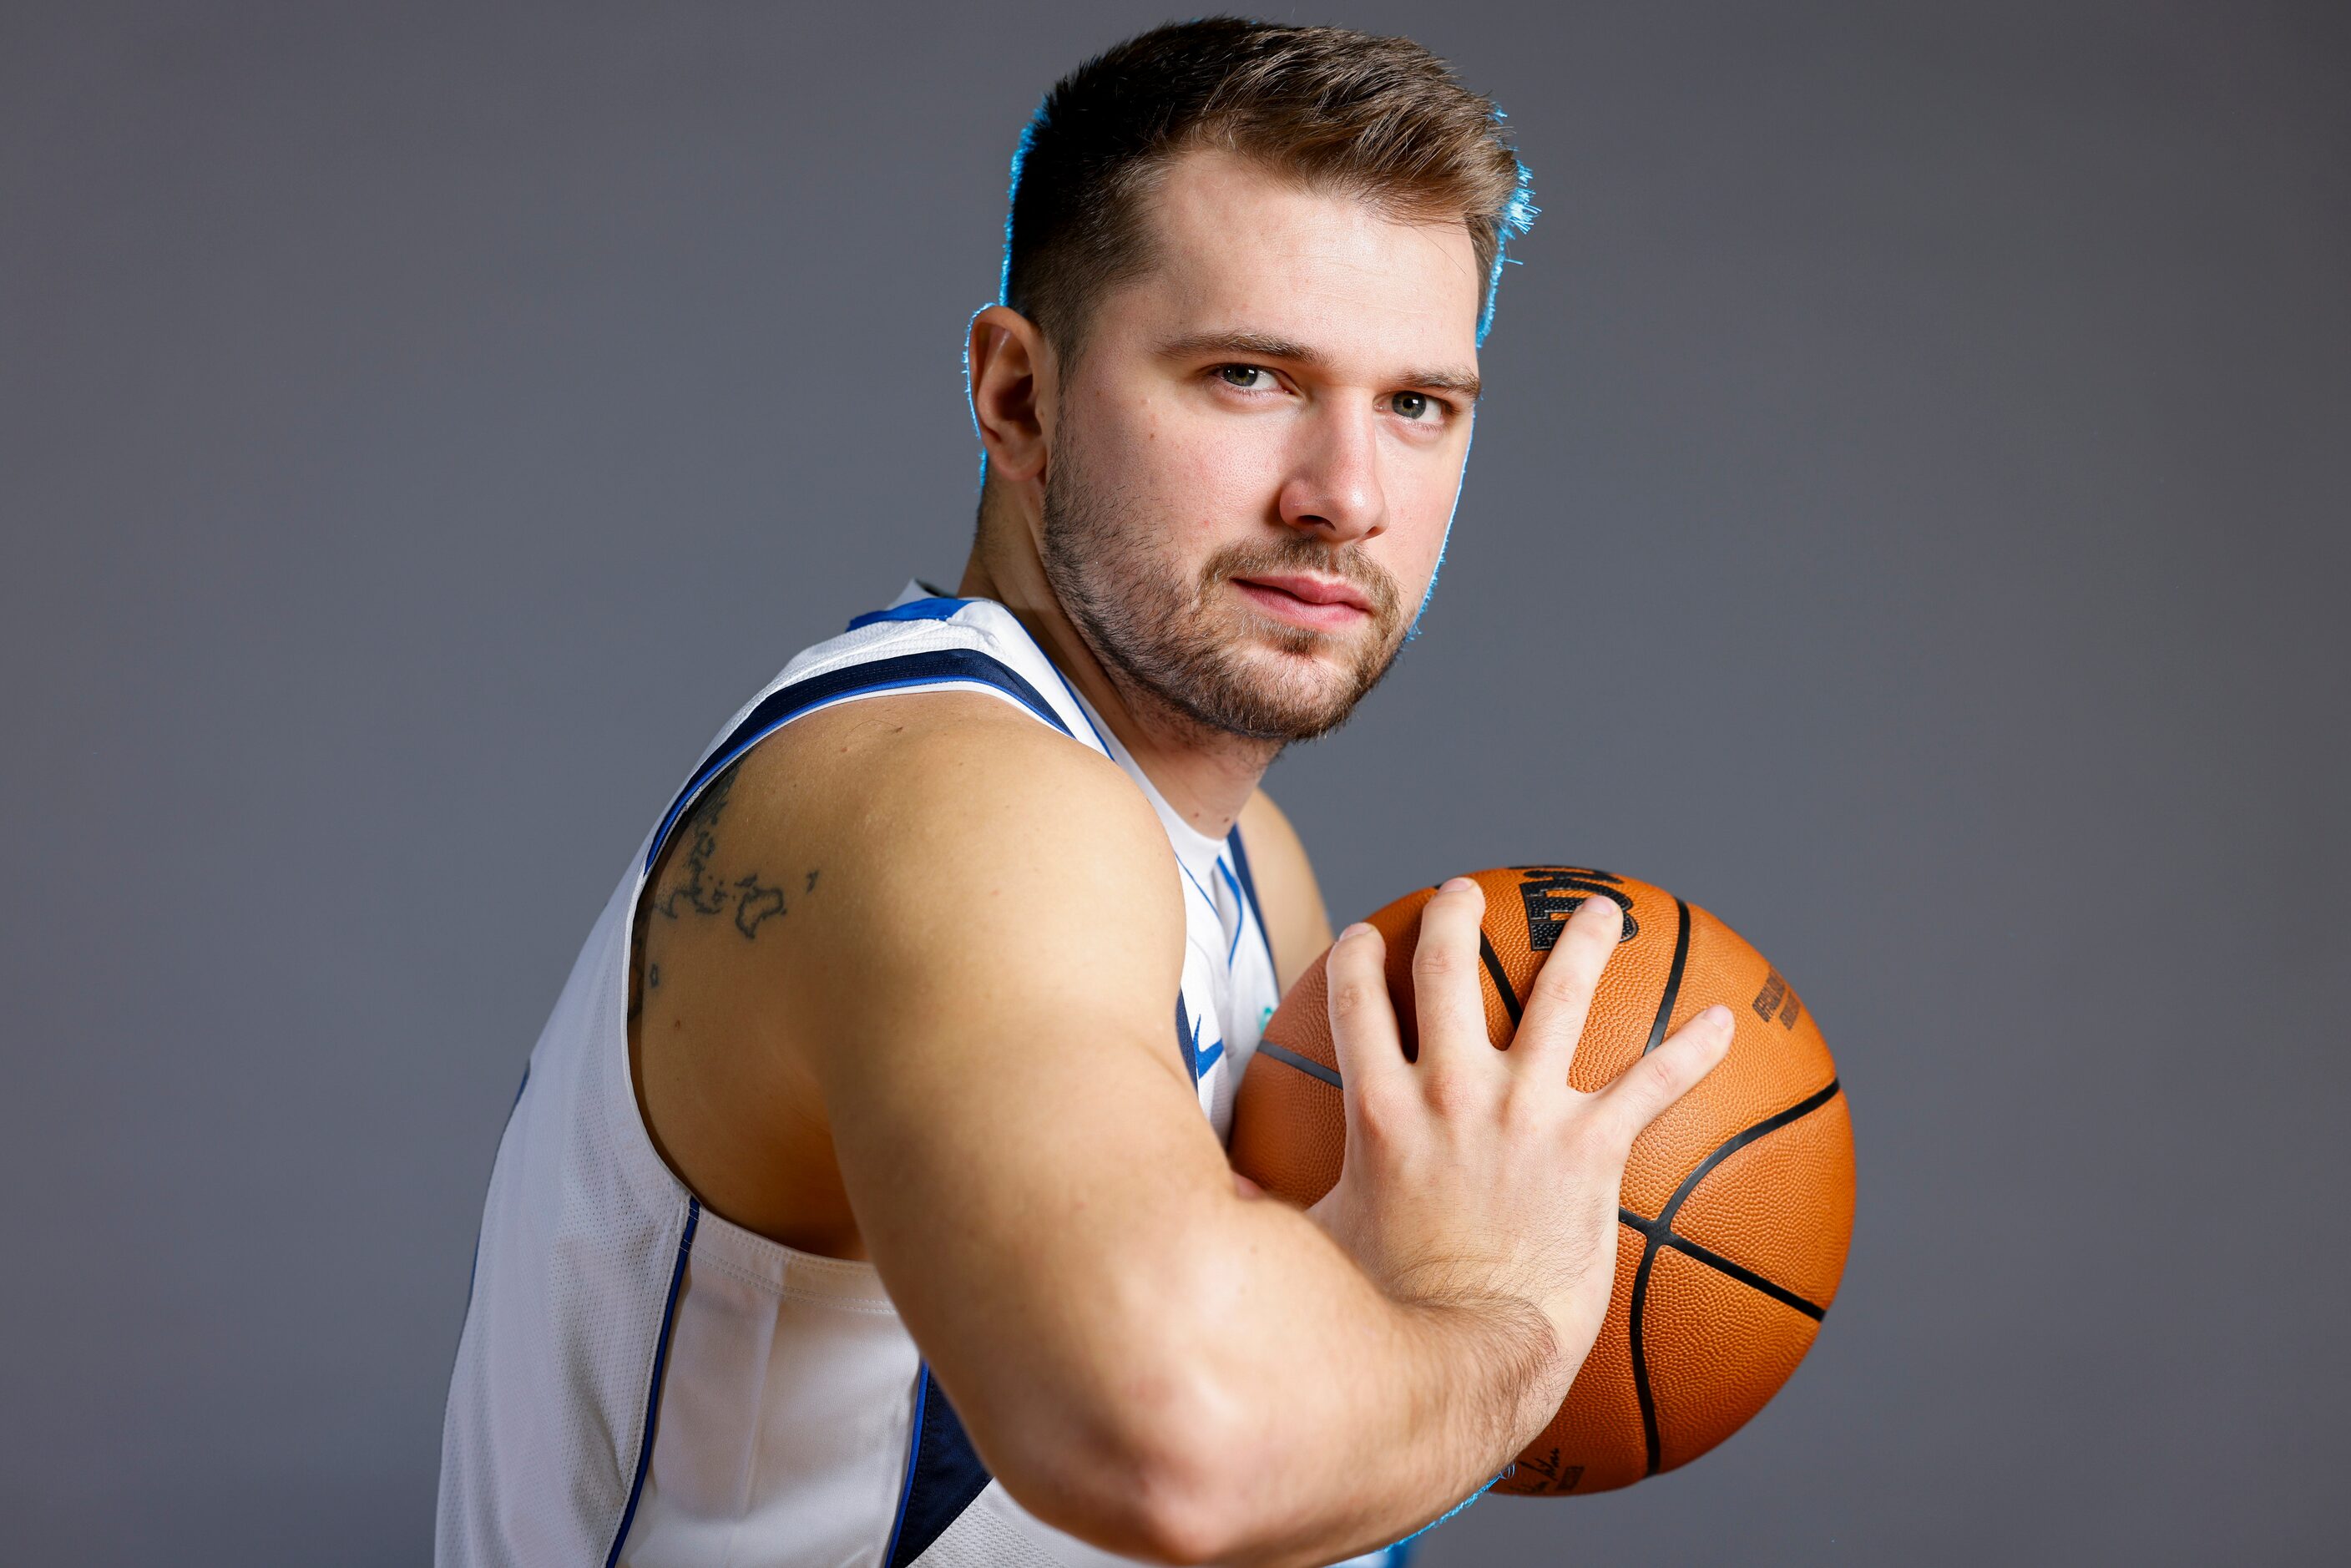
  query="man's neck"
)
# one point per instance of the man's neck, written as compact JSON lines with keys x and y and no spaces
{"x":1208,"y":776}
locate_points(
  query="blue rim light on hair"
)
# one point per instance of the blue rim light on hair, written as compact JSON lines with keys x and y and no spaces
{"x":1517,"y":217}
{"x":1012,"y":199}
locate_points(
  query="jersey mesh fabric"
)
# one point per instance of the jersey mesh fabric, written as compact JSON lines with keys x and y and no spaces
{"x":638,"y":1380}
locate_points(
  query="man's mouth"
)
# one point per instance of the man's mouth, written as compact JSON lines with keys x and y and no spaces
{"x":1322,"y":603}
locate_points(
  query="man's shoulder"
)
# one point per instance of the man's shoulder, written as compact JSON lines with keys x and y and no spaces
{"x":933,"y":749}
{"x":875,"y":891}
{"x":931,"y":780}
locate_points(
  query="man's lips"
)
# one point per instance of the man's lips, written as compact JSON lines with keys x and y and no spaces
{"x":1320,"y":602}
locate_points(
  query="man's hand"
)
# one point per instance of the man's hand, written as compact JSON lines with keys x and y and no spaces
{"x":1477,"y":1175}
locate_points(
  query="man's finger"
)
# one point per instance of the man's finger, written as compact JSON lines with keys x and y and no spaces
{"x":1447,"y":978}
{"x":1640,"y":1095}
{"x":1364,"y":1032}
{"x":1561,"y":998}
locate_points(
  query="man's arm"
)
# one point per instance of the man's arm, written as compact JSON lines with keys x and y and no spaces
{"x":985,"y":998}
{"x":979,"y":984}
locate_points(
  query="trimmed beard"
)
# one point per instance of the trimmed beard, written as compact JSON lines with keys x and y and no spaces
{"x":1154,"y":633}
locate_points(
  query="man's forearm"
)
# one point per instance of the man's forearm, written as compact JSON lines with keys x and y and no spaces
{"x":1360,"y":1413}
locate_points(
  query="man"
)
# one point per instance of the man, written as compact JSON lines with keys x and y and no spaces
{"x":858,"y":1205}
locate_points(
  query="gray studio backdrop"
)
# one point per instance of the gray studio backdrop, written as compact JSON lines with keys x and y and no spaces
{"x":1909,"y":517}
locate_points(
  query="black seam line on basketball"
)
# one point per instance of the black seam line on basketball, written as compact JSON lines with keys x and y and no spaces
{"x":1501,"y":978}
{"x":1747,"y":1277}
{"x":1307,"y":1065}
{"x":1738,"y":1141}
{"x":1660,"y":1230}
{"x":1641,"y":1358}
{"x":1716,"y":1261}
{"x":1673,"y":978}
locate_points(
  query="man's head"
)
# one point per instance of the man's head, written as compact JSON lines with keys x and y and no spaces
{"x":1246,"y":274}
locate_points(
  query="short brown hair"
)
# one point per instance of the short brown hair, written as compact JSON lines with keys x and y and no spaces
{"x":1379,"y":118}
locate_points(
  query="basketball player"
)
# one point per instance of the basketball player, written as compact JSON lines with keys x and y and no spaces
{"x":864,"y":1202}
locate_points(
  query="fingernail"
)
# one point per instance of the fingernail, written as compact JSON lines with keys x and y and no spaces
{"x":1717,"y":1016}
{"x":1456,"y":883}
{"x":1357,"y":929}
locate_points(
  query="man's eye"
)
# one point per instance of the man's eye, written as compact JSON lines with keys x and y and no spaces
{"x":1245,"y":377}
{"x":1410,"y":405}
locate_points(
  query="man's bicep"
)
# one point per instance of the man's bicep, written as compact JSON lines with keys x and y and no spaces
{"x":993,"y":1034}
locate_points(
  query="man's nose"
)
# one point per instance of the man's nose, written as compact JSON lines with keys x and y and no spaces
{"x":1333,"y":487}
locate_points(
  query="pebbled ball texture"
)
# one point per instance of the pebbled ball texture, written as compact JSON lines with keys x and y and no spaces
{"x":1737,"y":1205}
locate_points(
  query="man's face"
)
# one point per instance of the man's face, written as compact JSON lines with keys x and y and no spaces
{"x":1254,"y":459}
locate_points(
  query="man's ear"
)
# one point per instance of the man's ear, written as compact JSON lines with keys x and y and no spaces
{"x":1012,"y":374}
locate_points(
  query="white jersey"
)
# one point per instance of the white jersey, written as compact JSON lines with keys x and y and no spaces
{"x":639,"y":1381}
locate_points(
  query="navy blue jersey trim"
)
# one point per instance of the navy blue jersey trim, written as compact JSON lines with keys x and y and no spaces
{"x":781,"y":706}
{"x":914,"y":1452}
{"x":939,"y":608}
{"x":1210,"y":897}
{"x":1248,"y":892}
{"x":1187,"y":1039}
{"x":942,"y":608}
{"x":944,"y":1474}
{"x":1241,"y":924}
{"x":1077,"y":702}
{"x":653,"y":1394}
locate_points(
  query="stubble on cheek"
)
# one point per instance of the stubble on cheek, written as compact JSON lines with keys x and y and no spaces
{"x":1183,"y":638}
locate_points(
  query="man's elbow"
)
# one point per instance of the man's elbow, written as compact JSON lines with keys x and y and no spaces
{"x":1178,"y":1514}
{"x":1162,"y":1478}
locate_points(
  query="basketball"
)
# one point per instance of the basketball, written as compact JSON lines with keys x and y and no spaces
{"x":1737,"y":1204}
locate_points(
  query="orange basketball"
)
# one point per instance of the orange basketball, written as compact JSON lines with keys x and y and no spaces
{"x":1738,"y":1202}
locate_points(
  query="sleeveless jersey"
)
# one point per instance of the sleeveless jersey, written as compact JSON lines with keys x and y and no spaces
{"x":639,"y":1381}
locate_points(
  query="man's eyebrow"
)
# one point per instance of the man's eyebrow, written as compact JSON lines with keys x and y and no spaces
{"x":1265,"y":346}
{"x":1246,"y":345}
{"x":1461,"y":382}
